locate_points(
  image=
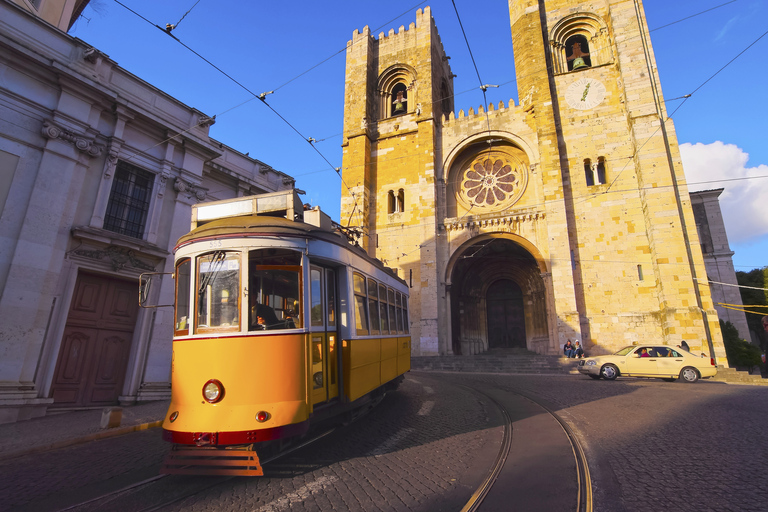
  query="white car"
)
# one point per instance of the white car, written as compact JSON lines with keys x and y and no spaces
{"x":649,"y":361}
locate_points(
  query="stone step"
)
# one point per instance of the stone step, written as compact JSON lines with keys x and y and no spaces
{"x":496,"y":363}
{"x":736,"y":376}
{"x":538,"y":364}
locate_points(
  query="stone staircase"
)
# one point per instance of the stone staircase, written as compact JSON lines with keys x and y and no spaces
{"x":516,"y":361}
{"x":497,"y":361}
{"x":739,"y":376}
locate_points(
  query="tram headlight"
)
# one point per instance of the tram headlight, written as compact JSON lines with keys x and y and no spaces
{"x":213,"y":391}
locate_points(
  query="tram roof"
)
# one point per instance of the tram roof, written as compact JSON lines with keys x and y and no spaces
{"x":247,"y":226}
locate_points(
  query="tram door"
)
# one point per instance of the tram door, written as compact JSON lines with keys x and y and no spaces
{"x":323,"y":335}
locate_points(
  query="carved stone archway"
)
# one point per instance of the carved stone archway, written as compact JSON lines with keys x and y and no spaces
{"x":484,"y":266}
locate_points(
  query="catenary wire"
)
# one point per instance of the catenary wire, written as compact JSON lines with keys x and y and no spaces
{"x":474,"y":63}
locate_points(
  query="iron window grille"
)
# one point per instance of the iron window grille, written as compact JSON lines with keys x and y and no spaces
{"x":129,"y":200}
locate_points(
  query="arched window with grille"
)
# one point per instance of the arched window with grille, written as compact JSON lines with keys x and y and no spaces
{"x":397,"y":90}
{"x":580,"y":41}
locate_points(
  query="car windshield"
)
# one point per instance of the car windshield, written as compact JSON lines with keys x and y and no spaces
{"x":625,"y":351}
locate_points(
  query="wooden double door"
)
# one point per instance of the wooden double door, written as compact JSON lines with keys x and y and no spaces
{"x":506,"y":315}
{"x":94,"y":352}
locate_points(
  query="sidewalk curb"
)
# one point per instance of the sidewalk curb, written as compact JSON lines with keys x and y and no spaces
{"x":113,"y":432}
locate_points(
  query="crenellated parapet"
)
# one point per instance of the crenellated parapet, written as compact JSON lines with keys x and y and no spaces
{"x":471,"y":113}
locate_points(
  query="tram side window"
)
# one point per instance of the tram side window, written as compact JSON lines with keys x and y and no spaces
{"x":383,"y":309}
{"x":218,"y":290}
{"x":183,"y":275}
{"x":316,"y":296}
{"x":399,"y":309}
{"x":330,"y":286}
{"x":373,"y":305}
{"x":361,"y":311}
{"x":405,"y":315}
{"x":274,"y":289}
{"x":392,"y":314}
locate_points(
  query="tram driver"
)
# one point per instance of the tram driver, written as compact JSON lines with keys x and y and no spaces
{"x":263,"y":317}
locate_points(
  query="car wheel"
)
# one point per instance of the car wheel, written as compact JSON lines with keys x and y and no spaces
{"x":596,"y":377}
{"x":689,"y":374}
{"x":609,"y":372}
{"x":670,"y":379}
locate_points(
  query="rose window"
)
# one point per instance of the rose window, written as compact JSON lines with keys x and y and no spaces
{"x":492,"y":182}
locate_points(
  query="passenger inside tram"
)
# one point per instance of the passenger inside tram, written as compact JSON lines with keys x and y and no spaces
{"x":263,"y":317}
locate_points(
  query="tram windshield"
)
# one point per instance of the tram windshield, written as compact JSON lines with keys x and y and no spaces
{"x":274,"y":289}
{"x":218,"y":290}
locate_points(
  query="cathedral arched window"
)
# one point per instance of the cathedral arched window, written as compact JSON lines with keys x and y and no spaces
{"x":396,"y":88}
{"x":396,"y":201}
{"x":580,"y":41}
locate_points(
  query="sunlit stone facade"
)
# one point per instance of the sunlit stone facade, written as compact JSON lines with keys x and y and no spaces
{"x":522,"y":225}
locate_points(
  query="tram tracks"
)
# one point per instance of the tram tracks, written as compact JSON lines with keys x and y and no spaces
{"x":584,"y":499}
{"x":102,"y":502}
{"x":155,"y":493}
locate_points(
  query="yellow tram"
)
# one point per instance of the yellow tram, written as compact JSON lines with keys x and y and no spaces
{"x":279,"y":323}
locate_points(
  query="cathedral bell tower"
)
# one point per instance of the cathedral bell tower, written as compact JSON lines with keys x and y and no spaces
{"x":397,"y":87}
{"x":589,"y":69}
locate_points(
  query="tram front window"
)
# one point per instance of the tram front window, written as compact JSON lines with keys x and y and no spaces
{"x":274,"y":289}
{"x":218,"y":290}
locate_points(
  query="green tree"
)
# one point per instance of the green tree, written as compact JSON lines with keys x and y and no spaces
{"x":752,"y":299}
{"x":739,"y":352}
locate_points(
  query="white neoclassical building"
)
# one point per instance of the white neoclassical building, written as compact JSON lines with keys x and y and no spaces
{"x":98,"y":171}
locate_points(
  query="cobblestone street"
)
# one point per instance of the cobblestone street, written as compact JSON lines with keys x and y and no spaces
{"x":654,"y":445}
{"x":651,"y":446}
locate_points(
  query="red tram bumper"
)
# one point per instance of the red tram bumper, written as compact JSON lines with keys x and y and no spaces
{"x":234,"y":438}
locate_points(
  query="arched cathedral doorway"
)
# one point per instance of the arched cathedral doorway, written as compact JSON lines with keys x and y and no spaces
{"x":498,"y":298}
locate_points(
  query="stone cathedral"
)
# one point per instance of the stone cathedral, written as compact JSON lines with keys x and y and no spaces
{"x":566,"y":216}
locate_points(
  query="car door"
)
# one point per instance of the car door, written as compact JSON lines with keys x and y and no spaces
{"x":639,"y":364}
{"x":669,"y":362}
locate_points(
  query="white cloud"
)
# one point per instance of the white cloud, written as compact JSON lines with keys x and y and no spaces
{"x":743,"y":202}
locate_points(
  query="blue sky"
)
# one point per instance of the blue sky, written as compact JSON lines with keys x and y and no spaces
{"x":297,"y":50}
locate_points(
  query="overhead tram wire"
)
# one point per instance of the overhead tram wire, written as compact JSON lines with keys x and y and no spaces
{"x":343,"y":49}
{"x":170,"y":27}
{"x":260,"y":96}
{"x":692,"y":16}
{"x":668,"y":117}
{"x":514,"y":80}
{"x":483,"y":87}
{"x":310,"y":140}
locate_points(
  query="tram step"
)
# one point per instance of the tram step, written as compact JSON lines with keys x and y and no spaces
{"x":211,"y":461}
